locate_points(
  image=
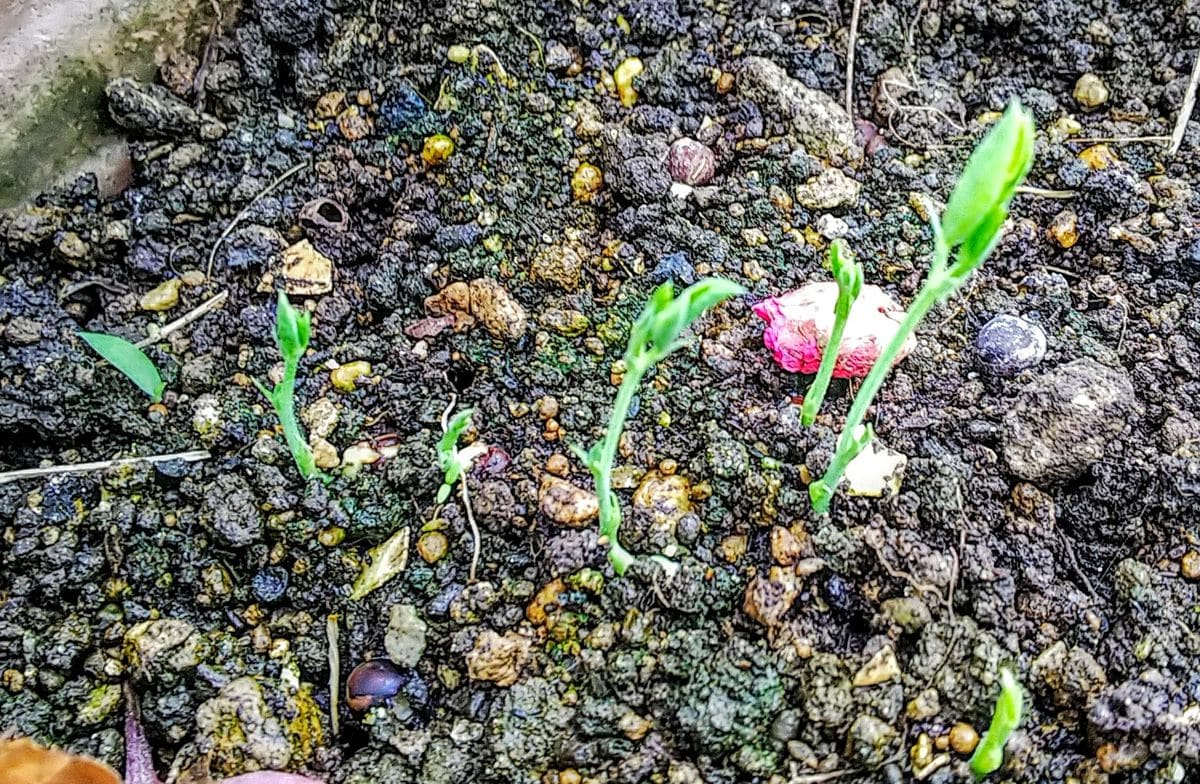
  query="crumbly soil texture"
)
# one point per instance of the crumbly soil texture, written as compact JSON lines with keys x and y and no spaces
{"x":1045,"y":519}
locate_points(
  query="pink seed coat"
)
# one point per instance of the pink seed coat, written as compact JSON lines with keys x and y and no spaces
{"x":799,"y":323}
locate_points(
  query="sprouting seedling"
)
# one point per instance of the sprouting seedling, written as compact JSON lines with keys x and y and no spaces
{"x":291,"y":335}
{"x":972,"y":223}
{"x":654,"y":336}
{"x":454,"y":462}
{"x":989,"y":754}
{"x":450,"y":458}
{"x":130,"y":360}
{"x":848,"y":274}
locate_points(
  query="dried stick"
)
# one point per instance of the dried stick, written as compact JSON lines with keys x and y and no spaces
{"x":210,"y":304}
{"x":1189,"y":103}
{"x":194,"y":456}
{"x":854,"y":13}
{"x":212,"y":255}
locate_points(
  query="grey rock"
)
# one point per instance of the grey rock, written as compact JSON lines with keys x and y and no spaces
{"x":828,"y":190}
{"x":817,"y":120}
{"x":150,"y":108}
{"x":231,"y":512}
{"x":269,"y":584}
{"x":1006,"y":345}
{"x":640,"y":180}
{"x":405,"y":638}
{"x":1061,"y":423}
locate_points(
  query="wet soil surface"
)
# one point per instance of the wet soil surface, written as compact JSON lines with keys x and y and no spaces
{"x":1047,"y":515}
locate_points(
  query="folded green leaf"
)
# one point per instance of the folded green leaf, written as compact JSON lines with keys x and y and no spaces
{"x":292,"y":328}
{"x":989,"y":754}
{"x":993,"y":172}
{"x":448,"y":443}
{"x":130,"y":360}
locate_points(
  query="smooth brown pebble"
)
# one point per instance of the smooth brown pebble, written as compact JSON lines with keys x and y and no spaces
{"x":1189,"y":565}
{"x":963,"y":738}
{"x":558,"y":465}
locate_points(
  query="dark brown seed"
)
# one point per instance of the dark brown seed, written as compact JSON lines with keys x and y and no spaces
{"x":374,"y":682}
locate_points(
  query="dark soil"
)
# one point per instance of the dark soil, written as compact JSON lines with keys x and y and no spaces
{"x":210,"y":585}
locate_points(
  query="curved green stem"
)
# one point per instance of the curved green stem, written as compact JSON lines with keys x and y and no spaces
{"x":820,"y":385}
{"x":285,"y":405}
{"x":601,"y":464}
{"x":936,"y":288}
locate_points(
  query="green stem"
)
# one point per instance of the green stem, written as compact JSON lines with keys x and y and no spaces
{"x":602,"y":465}
{"x":820,"y":385}
{"x":936,"y":288}
{"x":283,"y":398}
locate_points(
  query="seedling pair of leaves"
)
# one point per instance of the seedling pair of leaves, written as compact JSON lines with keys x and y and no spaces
{"x":292,"y":330}
{"x":654,"y":336}
{"x":970,"y":228}
{"x":453,"y":461}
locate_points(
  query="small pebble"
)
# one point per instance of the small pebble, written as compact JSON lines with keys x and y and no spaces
{"x":558,"y":465}
{"x":353,"y":124}
{"x":1006,"y":345}
{"x":1189,"y":565}
{"x":586,"y":182}
{"x":344,"y":376}
{"x":269,"y":584}
{"x":831,"y":227}
{"x":437,"y":149}
{"x":329,"y":104}
{"x":432,"y":546}
{"x":331,"y":536}
{"x":1099,"y":157}
{"x":1064,"y":229}
{"x":626,"y":72}
{"x":1090,"y":91}
{"x":633,"y":726}
{"x":164,"y":296}
{"x":963,"y":738}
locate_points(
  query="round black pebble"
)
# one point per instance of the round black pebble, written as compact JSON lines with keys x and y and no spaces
{"x":1006,"y":345}
{"x":269,"y":584}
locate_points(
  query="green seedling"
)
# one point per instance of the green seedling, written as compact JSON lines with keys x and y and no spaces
{"x":450,"y":459}
{"x":971,"y":225}
{"x":130,"y":360}
{"x":989,"y":754}
{"x":654,"y":336}
{"x":291,"y":335}
{"x":454,"y":463}
{"x":848,"y":274}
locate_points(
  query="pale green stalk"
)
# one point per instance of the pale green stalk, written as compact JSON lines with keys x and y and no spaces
{"x":973,"y":223}
{"x":848,"y":274}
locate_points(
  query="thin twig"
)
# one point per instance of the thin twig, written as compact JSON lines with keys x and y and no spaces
{"x":210,"y":304}
{"x":537,"y":42}
{"x":212,"y":255}
{"x":1118,"y":139}
{"x":1189,"y":103}
{"x":335,"y":676}
{"x":201,"y":74}
{"x":1074,"y":562}
{"x":194,"y":456}
{"x":854,"y":12}
{"x":477,"y":547}
{"x":1047,"y":193}
{"x":820,"y":778}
